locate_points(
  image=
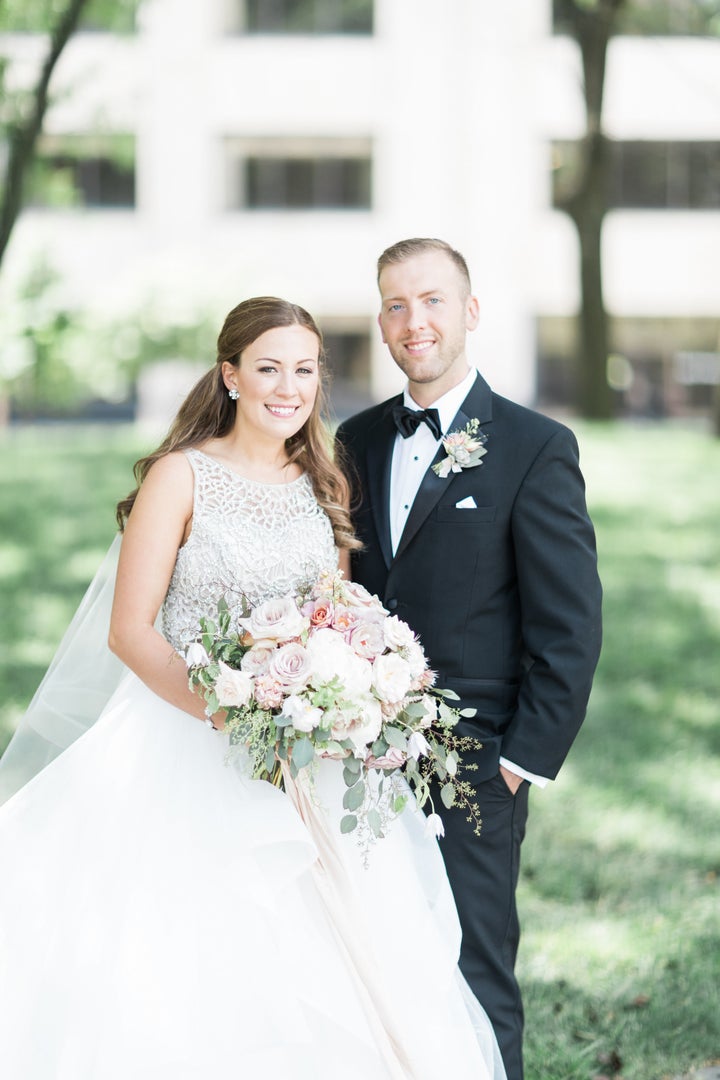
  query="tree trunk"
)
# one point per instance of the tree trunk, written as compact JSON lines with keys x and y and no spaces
{"x":595,"y":397}
{"x":23,"y":136}
{"x":587,"y":206}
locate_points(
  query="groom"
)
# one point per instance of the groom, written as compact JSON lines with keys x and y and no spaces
{"x":494,"y":566}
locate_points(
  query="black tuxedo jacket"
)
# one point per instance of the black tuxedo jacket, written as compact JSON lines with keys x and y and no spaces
{"x":505,"y":597}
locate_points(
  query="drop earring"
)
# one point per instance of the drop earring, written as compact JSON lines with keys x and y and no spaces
{"x":233,"y":394}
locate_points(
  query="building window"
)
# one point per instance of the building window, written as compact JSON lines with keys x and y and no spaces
{"x":300,"y":175}
{"x":85,"y":171}
{"x":658,"y":367}
{"x":649,"y":175}
{"x":306,"y":17}
{"x":648,"y":17}
{"x":347,"y":348}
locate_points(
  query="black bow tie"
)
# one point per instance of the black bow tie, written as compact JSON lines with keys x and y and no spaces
{"x":407,"y":421}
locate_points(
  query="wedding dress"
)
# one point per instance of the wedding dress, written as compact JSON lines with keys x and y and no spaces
{"x":164,"y":917}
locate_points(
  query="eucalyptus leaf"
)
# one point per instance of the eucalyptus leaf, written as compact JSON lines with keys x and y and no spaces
{"x":449,"y":694}
{"x":415,"y":710}
{"x":348,"y":823}
{"x":468,"y":712}
{"x":375,"y":822}
{"x":354,"y":797}
{"x":395,"y":737}
{"x":447,"y":794}
{"x":303,"y":752}
{"x":349,"y":777}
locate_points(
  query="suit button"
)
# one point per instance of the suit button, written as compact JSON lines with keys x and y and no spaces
{"x":391,"y":604}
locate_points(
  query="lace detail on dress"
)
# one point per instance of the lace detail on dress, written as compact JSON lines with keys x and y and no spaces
{"x":248,"y":539}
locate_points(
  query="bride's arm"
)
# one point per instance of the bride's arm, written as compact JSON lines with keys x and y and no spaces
{"x":154,"y":532}
{"x":344,"y":562}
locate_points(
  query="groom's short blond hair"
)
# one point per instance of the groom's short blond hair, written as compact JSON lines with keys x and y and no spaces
{"x":418,"y":245}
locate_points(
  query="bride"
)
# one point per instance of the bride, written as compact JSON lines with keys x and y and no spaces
{"x":163,"y":916}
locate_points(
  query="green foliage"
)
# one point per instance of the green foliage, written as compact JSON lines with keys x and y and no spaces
{"x":38,"y":16}
{"x":56,"y":359}
{"x":646,"y":17}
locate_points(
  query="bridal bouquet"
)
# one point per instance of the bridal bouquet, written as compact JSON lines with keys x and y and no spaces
{"x":330,"y":673}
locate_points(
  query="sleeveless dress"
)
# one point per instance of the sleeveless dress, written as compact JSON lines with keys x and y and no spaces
{"x":164,"y":917}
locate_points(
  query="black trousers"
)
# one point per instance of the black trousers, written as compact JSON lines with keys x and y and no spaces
{"x":483,"y":872}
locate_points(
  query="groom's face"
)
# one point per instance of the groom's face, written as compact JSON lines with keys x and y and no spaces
{"x":426,"y":312}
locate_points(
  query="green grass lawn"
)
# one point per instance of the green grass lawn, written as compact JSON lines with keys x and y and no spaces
{"x":620,"y":958}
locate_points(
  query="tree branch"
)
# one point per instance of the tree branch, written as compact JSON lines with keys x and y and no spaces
{"x":23,"y":136}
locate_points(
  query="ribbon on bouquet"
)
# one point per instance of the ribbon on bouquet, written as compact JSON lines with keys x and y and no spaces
{"x":335,"y":888}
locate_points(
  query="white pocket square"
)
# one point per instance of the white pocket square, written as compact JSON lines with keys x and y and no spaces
{"x":466,"y":504}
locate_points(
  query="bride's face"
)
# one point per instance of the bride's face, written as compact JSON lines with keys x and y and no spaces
{"x":277,"y":380}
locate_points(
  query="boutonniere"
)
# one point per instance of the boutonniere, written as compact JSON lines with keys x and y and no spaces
{"x":464,"y":449}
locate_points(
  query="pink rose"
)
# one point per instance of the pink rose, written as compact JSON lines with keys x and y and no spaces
{"x":392,"y":759}
{"x":358,"y":596}
{"x":343,"y":619}
{"x":320,"y":612}
{"x":290,"y":665}
{"x":277,"y":619}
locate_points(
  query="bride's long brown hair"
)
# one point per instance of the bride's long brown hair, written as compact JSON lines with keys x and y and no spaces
{"x":208,"y":413}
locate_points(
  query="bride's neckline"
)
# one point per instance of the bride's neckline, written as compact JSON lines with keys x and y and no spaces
{"x":247,"y":479}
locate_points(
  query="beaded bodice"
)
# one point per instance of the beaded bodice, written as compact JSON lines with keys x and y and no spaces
{"x":248,"y":539}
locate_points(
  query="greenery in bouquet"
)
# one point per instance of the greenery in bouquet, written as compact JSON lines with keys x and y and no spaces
{"x":331,"y":674}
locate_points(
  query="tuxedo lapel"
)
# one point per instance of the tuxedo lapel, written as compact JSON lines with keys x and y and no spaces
{"x":379,"y":463}
{"x":478,"y":405}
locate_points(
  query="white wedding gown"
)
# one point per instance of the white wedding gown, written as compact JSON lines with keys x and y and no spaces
{"x":163,"y":917}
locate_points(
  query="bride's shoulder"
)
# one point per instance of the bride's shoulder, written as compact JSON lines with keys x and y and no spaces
{"x":171,"y":474}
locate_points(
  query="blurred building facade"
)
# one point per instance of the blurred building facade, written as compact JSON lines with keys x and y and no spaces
{"x":237,"y":147}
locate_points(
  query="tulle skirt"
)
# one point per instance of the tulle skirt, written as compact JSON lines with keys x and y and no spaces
{"x":164,"y":917}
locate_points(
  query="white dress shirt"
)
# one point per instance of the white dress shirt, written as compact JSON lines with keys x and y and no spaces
{"x":411,"y":459}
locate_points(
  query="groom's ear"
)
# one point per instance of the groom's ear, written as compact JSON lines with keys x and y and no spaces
{"x":382,"y":332}
{"x":472,"y":313}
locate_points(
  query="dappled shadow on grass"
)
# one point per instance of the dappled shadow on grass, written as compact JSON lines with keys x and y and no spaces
{"x":645,"y":1025}
{"x":620,"y":892}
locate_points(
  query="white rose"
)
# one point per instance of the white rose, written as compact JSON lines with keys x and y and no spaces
{"x":397,"y":633}
{"x":233,"y":687}
{"x":332,"y":658}
{"x":391,"y":677}
{"x":415,"y":657}
{"x":277,"y":619}
{"x":367,"y":638}
{"x":290,"y":665}
{"x":255,"y":660}
{"x":304,"y":716}
{"x":361,"y":725}
{"x":196,"y":656}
